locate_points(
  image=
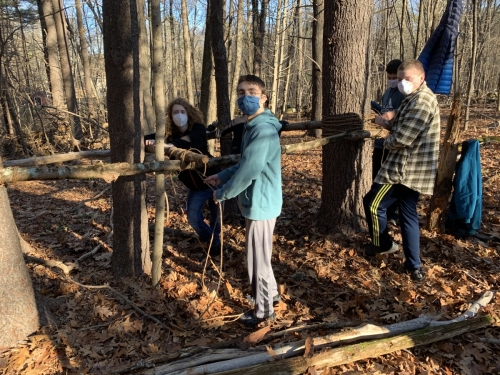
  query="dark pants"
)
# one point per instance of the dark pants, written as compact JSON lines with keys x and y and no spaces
{"x":379,"y":156}
{"x":195,"y":202}
{"x":376,"y":203}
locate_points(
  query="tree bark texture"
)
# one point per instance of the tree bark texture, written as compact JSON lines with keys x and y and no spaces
{"x":317,"y":65}
{"x":238,"y":41}
{"x":259,"y":32}
{"x":67,"y":74}
{"x":346,"y":166}
{"x":111,"y":172}
{"x":221,"y":72}
{"x":208,"y":93}
{"x":18,"y":310}
{"x":472,"y":68}
{"x":438,"y":206}
{"x":355,"y":352}
{"x":158,"y":79}
{"x":187,"y":53}
{"x":121,"y":49}
{"x":147,"y":111}
{"x":84,"y":53}
{"x":53,"y":66}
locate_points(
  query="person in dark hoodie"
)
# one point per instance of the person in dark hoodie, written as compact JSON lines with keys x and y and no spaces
{"x":187,"y":132}
{"x":256,"y":181}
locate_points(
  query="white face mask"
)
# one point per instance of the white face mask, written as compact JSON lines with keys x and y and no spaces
{"x":392,"y":83}
{"x":180,"y":119}
{"x":405,"y":87}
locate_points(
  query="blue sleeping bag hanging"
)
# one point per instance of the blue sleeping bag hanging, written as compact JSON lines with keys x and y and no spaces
{"x":464,"y":217}
{"x":438,"y":53}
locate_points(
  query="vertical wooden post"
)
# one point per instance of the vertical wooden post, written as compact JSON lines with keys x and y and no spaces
{"x":438,"y":206}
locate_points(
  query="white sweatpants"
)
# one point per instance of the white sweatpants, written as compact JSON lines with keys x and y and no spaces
{"x":259,"y":249}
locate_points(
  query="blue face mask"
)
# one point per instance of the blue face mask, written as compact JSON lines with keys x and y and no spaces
{"x":249,"y":104}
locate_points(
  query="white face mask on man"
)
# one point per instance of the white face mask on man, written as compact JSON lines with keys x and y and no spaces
{"x":405,"y":87}
{"x":392,"y":83}
{"x":180,"y":120}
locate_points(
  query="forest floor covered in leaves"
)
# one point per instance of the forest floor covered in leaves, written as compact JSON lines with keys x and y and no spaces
{"x":323,"y":278}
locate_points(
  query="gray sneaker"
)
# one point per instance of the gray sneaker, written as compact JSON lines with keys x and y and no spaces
{"x":371,"y":250}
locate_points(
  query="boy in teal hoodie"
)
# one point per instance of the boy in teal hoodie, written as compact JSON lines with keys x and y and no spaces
{"x":256,"y":181}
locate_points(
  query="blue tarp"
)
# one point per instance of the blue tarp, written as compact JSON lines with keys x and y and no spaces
{"x":437,"y":55}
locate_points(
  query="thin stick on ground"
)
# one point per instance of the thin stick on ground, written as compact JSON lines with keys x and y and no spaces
{"x":122,"y":296}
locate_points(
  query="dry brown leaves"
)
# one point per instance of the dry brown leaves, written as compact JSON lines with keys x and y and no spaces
{"x":322,"y":277}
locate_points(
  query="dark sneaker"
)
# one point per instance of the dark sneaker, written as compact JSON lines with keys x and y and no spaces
{"x":249,"y":319}
{"x":416,"y":275}
{"x":371,"y":250}
{"x":276,"y":300}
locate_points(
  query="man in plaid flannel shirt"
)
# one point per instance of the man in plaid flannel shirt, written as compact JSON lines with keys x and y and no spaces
{"x":408,"y":171}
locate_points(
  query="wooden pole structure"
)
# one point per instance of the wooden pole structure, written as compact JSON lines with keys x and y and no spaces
{"x":438,"y":207}
{"x":110,"y":172}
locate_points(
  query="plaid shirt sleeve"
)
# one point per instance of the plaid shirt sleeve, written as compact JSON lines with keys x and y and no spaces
{"x":413,"y":143}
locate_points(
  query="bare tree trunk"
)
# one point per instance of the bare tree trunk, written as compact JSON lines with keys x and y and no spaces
{"x":300,"y":58}
{"x":278,"y":51}
{"x":438,"y":206}
{"x":401,"y":32}
{"x":158,"y":79}
{"x":19,"y":316}
{"x":346,"y":166}
{"x":317,"y":65}
{"x":85,"y":57}
{"x":419,"y":29}
{"x":148,"y":114}
{"x":498,"y":94}
{"x":67,"y":74}
{"x":472,"y":69}
{"x":237,"y":56}
{"x":208,"y":95}
{"x":220,"y":63}
{"x":187,"y":52}
{"x":53,"y":66}
{"x":259,"y":31}
{"x":121,"y":53}
{"x":7,"y":119}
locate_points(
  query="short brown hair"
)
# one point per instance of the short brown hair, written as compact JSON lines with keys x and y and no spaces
{"x":193,"y":113}
{"x":412,"y":64}
{"x":252,"y":78}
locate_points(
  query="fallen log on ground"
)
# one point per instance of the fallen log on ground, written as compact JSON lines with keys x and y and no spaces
{"x":110,"y":172}
{"x":363,"y":332}
{"x":356,"y":352}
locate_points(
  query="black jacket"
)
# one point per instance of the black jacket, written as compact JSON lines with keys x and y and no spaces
{"x":198,"y":135}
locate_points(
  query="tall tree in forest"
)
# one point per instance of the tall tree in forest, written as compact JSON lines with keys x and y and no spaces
{"x":237,"y":55}
{"x":158,"y":89}
{"x":53,"y":68}
{"x":121,"y":56}
{"x":67,"y":74}
{"x":472,"y":66}
{"x":148,"y":113}
{"x":259,"y":32}
{"x":317,"y":65}
{"x":346,"y":165}
{"x":208,"y":105}
{"x":19,"y":315}
{"x":85,"y":57}
{"x":220,"y":64}
{"x":187,"y":52}
{"x":300,"y":60}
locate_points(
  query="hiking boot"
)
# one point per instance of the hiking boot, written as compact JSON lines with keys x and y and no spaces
{"x":276,"y":300}
{"x":416,"y":275}
{"x":249,"y":319}
{"x":371,"y":250}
